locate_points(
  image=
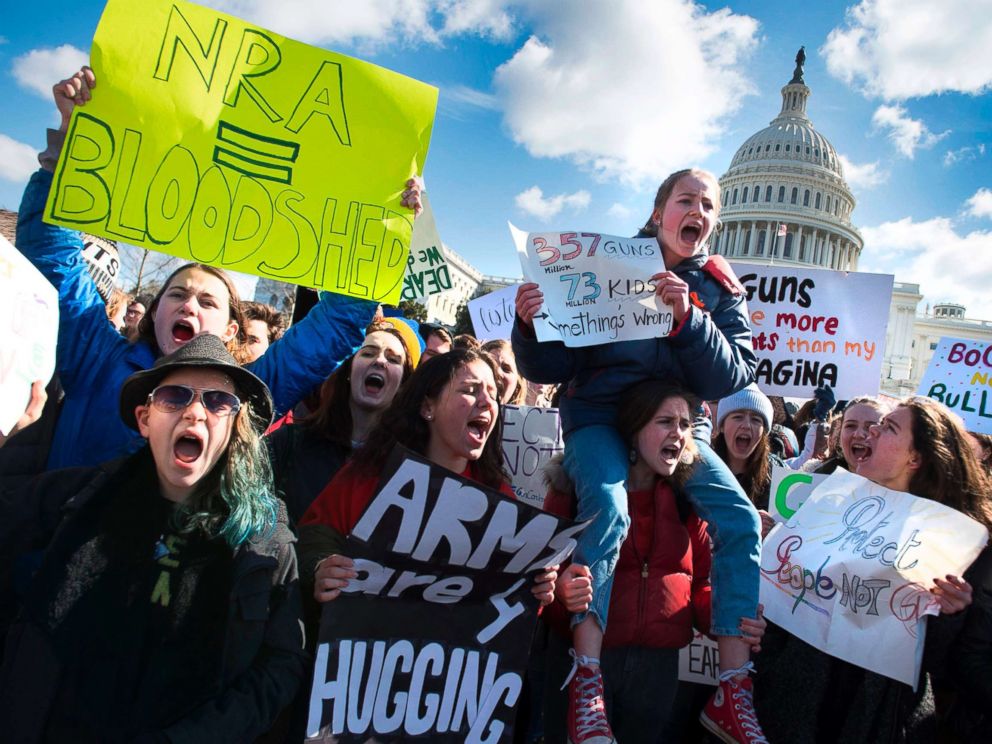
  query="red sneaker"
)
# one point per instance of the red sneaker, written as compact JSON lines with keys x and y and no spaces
{"x":730,"y":716}
{"x":587,"y":722}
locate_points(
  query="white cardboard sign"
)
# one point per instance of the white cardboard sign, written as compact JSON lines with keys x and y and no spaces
{"x":959,"y":376}
{"x":492,"y":314}
{"x":597,"y":288}
{"x":850,"y":572}
{"x":812,"y":327}
{"x":699,"y":662}
{"x":29,"y":326}
{"x":789,"y":489}
{"x":427,"y":271}
{"x":531,"y":437}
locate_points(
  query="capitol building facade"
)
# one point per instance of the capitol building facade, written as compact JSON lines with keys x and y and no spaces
{"x":784,"y":195}
{"x":785,"y":201}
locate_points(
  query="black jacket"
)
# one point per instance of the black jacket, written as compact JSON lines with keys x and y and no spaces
{"x":303,"y":462}
{"x":970,"y":673}
{"x":257,"y":666}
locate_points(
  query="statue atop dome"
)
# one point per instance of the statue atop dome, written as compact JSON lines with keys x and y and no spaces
{"x":797,"y":74}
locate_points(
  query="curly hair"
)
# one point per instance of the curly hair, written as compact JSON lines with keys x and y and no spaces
{"x":238,"y":346}
{"x":402,"y":423}
{"x":949,"y":473}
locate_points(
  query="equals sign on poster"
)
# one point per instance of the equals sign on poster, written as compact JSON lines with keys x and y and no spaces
{"x":253,"y":155}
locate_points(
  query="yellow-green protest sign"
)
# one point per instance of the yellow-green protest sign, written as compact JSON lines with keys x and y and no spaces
{"x":223,"y":143}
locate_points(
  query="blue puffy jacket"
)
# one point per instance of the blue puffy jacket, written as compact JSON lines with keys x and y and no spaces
{"x":93,"y":360}
{"x":710,"y":354}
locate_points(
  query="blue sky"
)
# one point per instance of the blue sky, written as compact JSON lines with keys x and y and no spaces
{"x":568,"y":114}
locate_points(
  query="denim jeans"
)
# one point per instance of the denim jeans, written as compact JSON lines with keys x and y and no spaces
{"x":596,"y":460}
{"x":640,"y":687}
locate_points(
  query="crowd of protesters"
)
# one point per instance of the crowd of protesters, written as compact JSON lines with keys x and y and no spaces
{"x":174,"y":506}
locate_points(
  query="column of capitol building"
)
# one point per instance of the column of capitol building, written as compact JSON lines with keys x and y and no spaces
{"x":790,"y":174}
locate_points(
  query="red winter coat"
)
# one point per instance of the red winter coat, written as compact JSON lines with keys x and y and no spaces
{"x":661,"y":586}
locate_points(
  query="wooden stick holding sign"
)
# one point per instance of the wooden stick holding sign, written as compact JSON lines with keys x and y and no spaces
{"x":432,"y":638}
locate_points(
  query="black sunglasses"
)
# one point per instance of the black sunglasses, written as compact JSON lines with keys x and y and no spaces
{"x":174,"y":398}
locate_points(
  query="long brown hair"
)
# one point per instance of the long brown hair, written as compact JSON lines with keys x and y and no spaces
{"x":637,"y":408}
{"x":949,"y":473}
{"x":332,"y":418}
{"x":757,"y":470}
{"x":238,"y":346}
{"x":501,"y":344}
{"x":402,"y":423}
{"x":650,"y":229}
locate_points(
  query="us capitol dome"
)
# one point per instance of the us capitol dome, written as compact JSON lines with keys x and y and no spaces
{"x":784,"y":196}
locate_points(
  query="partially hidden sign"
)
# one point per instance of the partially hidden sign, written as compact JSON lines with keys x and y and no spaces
{"x":29,"y":325}
{"x":492,"y":314}
{"x":220,"y":142}
{"x":960,"y":376}
{"x":813,"y":327}
{"x":699,"y":662}
{"x":427,"y":271}
{"x":789,"y":489}
{"x":432,"y":639}
{"x":850,"y":571}
{"x":597,"y":288}
{"x":531,"y":438}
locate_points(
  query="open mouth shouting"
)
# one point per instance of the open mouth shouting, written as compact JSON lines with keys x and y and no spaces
{"x":374,"y":383}
{"x":182,"y":331}
{"x":744,"y":442}
{"x":690,"y":234}
{"x":860,"y":451}
{"x":478,"y":429}
{"x":188,"y":448}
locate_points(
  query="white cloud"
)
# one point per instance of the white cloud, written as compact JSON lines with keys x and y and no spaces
{"x":900,"y":49}
{"x":470,"y":97}
{"x":370,"y":22}
{"x":980,"y":204}
{"x":964,"y":154}
{"x":485,"y":17}
{"x":17,"y":160}
{"x":376,"y":23}
{"x":632,"y":112}
{"x":907,"y":134}
{"x":619,"y":211}
{"x":933,"y":254}
{"x":864,"y":175}
{"x":39,"y":69}
{"x":533,"y":202}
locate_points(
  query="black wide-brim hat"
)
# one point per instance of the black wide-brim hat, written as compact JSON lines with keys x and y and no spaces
{"x":205,"y":350}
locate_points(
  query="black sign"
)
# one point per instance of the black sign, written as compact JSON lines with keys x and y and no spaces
{"x":431,"y":640}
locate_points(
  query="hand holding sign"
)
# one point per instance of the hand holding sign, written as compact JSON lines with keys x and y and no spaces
{"x":595,"y":288}
{"x":332,"y":576}
{"x":673,"y":292}
{"x":528,"y":301}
